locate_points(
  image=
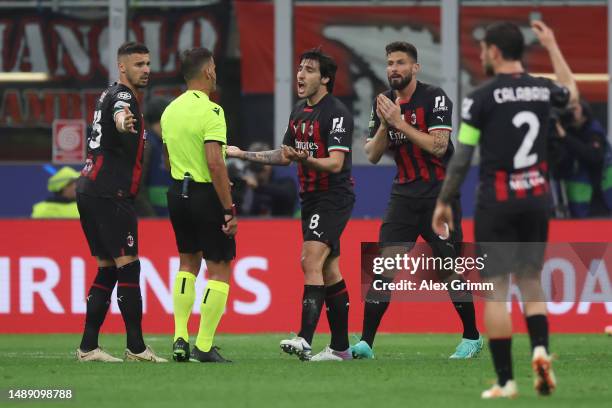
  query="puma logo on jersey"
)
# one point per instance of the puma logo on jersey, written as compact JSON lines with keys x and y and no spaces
{"x":318,"y":234}
{"x":217,"y":110}
{"x":338,"y":139}
{"x":440,"y":117}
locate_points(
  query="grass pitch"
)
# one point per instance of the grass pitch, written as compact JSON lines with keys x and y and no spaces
{"x":409,"y":370}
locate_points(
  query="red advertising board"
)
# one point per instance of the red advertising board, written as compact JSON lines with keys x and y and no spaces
{"x":46,"y":270}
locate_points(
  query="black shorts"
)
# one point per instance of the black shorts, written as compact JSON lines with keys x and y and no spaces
{"x":324,"y":217}
{"x":110,"y":225}
{"x":513,"y":242}
{"x":408,"y":218}
{"x":197,"y":222}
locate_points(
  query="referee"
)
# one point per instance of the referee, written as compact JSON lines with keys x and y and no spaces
{"x":200,"y":204}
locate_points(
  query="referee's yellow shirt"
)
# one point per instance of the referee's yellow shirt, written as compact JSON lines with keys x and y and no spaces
{"x":188,"y":122}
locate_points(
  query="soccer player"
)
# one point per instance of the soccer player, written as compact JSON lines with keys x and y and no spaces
{"x":105,"y":198}
{"x":413,"y":121}
{"x":201,"y":210}
{"x":508,"y":117}
{"x":318,"y":138}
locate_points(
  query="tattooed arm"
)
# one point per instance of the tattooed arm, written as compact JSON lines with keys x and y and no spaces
{"x":455,"y":174}
{"x":458,"y":167}
{"x":273,"y":157}
{"x":440,"y":142}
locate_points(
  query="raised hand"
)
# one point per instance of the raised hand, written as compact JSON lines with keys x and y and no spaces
{"x":391,"y":111}
{"x":545,"y":34}
{"x":128,"y":123}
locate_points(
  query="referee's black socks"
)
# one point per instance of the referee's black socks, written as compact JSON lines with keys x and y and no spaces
{"x":130,"y":304}
{"x":337,"y":307}
{"x":312,"y":303}
{"x":98,"y":301}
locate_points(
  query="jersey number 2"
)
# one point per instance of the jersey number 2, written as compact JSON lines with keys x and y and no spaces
{"x":522,"y":158}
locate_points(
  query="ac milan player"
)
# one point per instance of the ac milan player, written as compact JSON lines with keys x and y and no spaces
{"x":412,"y":120}
{"x":508,"y":118}
{"x":105,"y":198}
{"x":318,"y":138}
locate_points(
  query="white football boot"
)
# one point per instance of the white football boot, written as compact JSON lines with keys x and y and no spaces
{"x":298,"y":346}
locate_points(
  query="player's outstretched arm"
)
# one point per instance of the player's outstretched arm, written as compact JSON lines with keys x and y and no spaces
{"x":125,"y":121}
{"x":563,"y":72}
{"x":273,"y":157}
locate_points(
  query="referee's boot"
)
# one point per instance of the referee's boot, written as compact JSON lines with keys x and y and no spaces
{"x":180,"y":350}
{"x":211,"y":356}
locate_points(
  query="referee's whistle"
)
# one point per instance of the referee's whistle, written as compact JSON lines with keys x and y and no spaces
{"x":185,"y":188}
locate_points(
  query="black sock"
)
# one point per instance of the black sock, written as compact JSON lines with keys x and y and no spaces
{"x":501,"y":350}
{"x":130,"y":304}
{"x":337,"y":302}
{"x":98,"y":300}
{"x":464,"y":305}
{"x":312,"y":303}
{"x":537,"y":326}
{"x":376,"y":304}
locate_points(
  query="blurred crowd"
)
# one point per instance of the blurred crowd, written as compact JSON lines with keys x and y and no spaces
{"x":581,"y":164}
{"x":580,"y":160}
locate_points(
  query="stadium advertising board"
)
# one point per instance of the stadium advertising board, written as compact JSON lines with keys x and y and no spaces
{"x":44,"y":280}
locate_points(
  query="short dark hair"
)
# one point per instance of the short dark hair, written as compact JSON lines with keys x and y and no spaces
{"x":193,"y":60}
{"x":508,"y":38}
{"x":327,"y":66}
{"x":402,"y":46}
{"x":132,"y":47}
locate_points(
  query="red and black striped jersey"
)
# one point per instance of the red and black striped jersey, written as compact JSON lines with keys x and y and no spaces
{"x":321,"y":129}
{"x":419,"y":173}
{"x":114,"y":160}
{"x":509,"y":118}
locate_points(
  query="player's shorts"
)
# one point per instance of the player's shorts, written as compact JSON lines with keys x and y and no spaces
{"x":513,"y":242}
{"x":324,"y":217}
{"x":110,"y":225}
{"x":408,"y":218}
{"x":197,"y":222}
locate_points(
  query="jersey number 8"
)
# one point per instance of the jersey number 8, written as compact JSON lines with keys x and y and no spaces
{"x":314,"y":221}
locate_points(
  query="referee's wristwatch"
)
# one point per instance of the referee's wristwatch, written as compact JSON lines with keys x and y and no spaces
{"x":230,"y":211}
